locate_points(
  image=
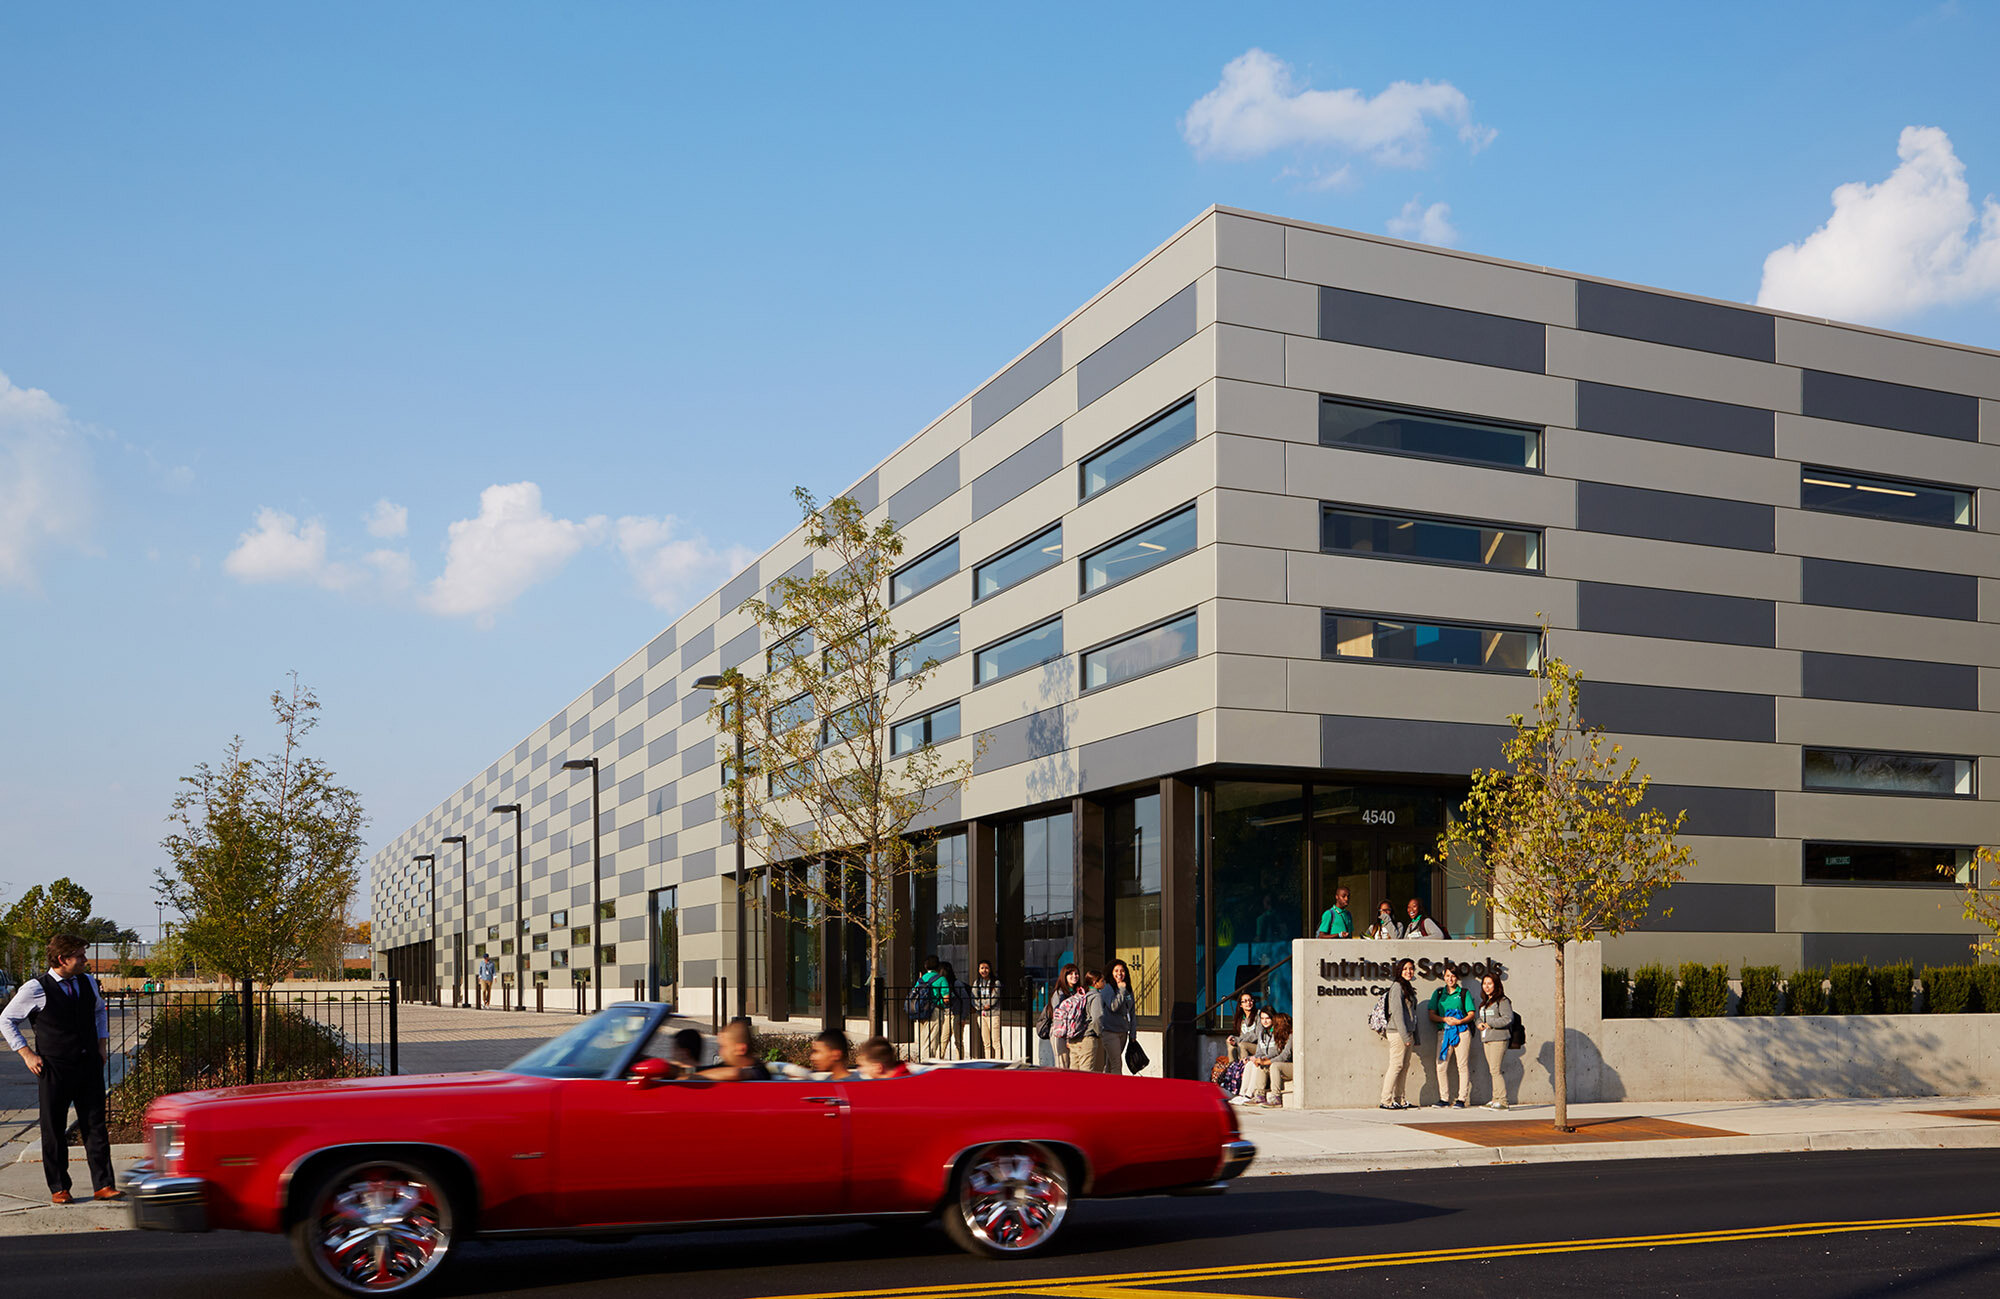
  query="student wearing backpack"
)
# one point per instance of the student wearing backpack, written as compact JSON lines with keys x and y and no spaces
{"x":1496,"y":1029}
{"x":1069,"y":1027}
{"x":1399,"y":1011}
{"x":1420,"y":923}
{"x":928,"y":1000}
{"x":1338,"y":921}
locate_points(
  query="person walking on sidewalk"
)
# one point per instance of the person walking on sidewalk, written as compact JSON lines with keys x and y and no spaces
{"x":1399,"y":1007}
{"x":986,"y":1012}
{"x":1496,"y":1018}
{"x":485,"y":971}
{"x":1452,"y":1011}
{"x":1116,"y":1020}
{"x":72,"y":1029}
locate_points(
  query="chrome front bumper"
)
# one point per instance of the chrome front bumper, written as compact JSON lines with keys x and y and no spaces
{"x":1236,"y":1156}
{"x":161,"y":1203}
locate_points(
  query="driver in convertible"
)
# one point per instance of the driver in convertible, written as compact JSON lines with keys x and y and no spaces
{"x":736,"y":1044}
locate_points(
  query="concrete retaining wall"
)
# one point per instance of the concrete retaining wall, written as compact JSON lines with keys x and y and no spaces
{"x":1798,"y":1057}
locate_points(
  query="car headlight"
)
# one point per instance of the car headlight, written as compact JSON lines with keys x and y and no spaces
{"x":167,"y":1145}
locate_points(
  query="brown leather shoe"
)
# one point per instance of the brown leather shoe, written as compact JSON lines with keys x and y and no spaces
{"x":61,"y":1197}
{"x":109,"y":1193}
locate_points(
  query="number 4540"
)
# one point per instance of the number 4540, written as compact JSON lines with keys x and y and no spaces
{"x":1378,"y":816}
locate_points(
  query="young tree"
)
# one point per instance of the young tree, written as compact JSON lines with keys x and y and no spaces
{"x":39,"y":915}
{"x":1557,"y":843}
{"x":824,"y":795}
{"x":1981,"y":905}
{"x":263,"y":855}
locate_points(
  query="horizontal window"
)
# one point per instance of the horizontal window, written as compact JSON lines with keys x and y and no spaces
{"x":849,"y":722}
{"x":1152,"y":441}
{"x":1887,"y":863}
{"x":1423,"y":433}
{"x":1146,"y":651}
{"x":1862,"y":772}
{"x":934,"y":646}
{"x":791,"y":714}
{"x":791,"y":647}
{"x":1020,"y":651}
{"x":1840,"y":492}
{"x":789,"y":781}
{"x":1463,"y":645}
{"x":934,"y":727}
{"x":1149,"y":547}
{"x":1403,"y":536}
{"x":924,"y":572}
{"x":1010,"y":567}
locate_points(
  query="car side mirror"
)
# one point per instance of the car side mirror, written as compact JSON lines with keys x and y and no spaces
{"x":649,"y":1071}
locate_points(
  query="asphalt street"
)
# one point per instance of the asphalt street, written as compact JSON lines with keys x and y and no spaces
{"x":1833,"y":1224}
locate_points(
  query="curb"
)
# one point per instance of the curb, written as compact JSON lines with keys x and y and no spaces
{"x":1935,"y":1138}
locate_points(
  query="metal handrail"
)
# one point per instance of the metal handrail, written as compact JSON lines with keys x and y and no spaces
{"x":1241,"y":988}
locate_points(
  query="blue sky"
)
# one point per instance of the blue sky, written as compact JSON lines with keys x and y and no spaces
{"x":599,"y":283}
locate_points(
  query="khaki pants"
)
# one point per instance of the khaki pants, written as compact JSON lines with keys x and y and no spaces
{"x":1399,"y":1066}
{"x":1259,"y":1079}
{"x":989,"y":1046}
{"x":1496,"y":1060}
{"x":1064,"y":1048}
{"x":1111,"y":1053}
{"x":948,"y":1026}
{"x":1461,"y":1056}
{"x":1083,"y":1055}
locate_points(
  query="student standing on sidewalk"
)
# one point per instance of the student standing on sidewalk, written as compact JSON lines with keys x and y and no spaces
{"x":1338,"y":922}
{"x":1070,"y":1022}
{"x":986,"y":1012}
{"x":72,"y":1031}
{"x":951,"y":1014}
{"x":1496,"y":1015}
{"x":1399,"y":1004}
{"x":1116,"y":1021}
{"x":1451,"y":1010}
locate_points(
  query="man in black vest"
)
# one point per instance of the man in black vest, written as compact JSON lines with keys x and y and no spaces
{"x":72,"y":1039}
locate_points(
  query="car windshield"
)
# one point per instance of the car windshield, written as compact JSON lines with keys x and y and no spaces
{"x":590,"y":1049}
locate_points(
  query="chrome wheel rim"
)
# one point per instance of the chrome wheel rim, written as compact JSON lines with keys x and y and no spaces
{"x":380,"y":1229}
{"x":1013,"y":1196}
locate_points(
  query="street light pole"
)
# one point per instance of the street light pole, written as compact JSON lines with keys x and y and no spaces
{"x":596,"y":884}
{"x":520,"y":919}
{"x":734,"y":679}
{"x":430,"y":863}
{"x":464,"y":948}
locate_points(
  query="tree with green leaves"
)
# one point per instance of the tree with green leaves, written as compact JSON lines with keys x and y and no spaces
{"x":63,"y":907}
{"x":1979,"y":897}
{"x":1558,"y":843}
{"x":264,"y":852}
{"x":827,"y":796}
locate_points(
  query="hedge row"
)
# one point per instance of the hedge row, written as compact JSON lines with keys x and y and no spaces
{"x":1702,"y":991}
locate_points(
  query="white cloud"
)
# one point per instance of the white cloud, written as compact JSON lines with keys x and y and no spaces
{"x":671,"y":569}
{"x":1906,"y":244}
{"x":1425,"y":225}
{"x":281,"y":549}
{"x":45,"y":482}
{"x":1258,"y":109}
{"x":512,"y":544}
{"x":387,"y":520}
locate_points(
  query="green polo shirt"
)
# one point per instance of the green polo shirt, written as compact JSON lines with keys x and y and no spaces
{"x":1337,"y":922}
{"x":1448,"y":1003}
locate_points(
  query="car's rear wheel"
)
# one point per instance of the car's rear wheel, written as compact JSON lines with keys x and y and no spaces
{"x":1008,"y":1200}
{"x":376,"y":1227}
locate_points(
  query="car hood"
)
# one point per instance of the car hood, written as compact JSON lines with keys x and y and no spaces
{"x":354,"y":1088}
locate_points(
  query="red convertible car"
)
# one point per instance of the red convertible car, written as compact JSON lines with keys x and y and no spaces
{"x":376,"y":1180}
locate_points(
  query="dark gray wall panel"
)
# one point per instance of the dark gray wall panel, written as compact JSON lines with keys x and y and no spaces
{"x":632,"y":740}
{"x":1715,"y":908}
{"x":698,"y":647}
{"x":1891,"y":405}
{"x":1905,"y":682}
{"x":694,"y":703}
{"x":739,"y":647}
{"x":698,"y":811}
{"x":698,"y":919}
{"x":926,"y":490}
{"x":661,"y":646}
{"x":798,"y":572}
{"x":1034,"y":463}
{"x":1367,"y":320}
{"x":1742,"y":813}
{"x":942,"y":812}
{"x":660,"y":700}
{"x":867,"y":493}
{"x":661,"y":850}
{"x":1663,"y":417}
{"x":603,"y":691}
{"x":740,"y":588}
{"x":1145,"y":341}
{"x":1148,"y":753}
{"x":1822,"y":950}
{"x":1920,"y":592}
{"x":1018,"y":382}
{"x":697,"y":755}
{"x":699,"y":974}
{"x":1673,"y":710}
{"x":1401,"y":745}
{"x":698,"y":865}
{"x":1656,"y":318}
{"x":1675,"y":615}
{"x":1025,"y":738}
{"x":1674,"y":516}
{"x":630,"y":694}
{"x":631,"y":836}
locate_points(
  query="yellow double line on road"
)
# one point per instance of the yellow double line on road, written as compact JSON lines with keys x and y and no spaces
{"x":1138,"y":1285}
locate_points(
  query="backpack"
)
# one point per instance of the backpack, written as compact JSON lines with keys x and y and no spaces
{"x":1071,"y":1020}
{"x":1517,"y":1034}
{"x":1378,"y":1015}
{"x":920,"y":1003}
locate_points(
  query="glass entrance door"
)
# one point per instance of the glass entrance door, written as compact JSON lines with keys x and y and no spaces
{"x":1373,"y":841}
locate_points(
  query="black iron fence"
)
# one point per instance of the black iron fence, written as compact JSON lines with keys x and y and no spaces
{"x":184,"y":1040}
{"x":963,"y":1025}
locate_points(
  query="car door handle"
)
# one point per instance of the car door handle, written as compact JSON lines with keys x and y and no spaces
{"x":824,"y":1100}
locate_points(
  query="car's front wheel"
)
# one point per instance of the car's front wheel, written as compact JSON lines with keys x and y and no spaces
{"x":376,"y":1227}
{"x":1008,"y":1200}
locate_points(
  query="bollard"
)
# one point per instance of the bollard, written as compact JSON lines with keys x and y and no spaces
{"x":715,"y":1004}
{"x":638,"y":989}
{"x":538,"y":997}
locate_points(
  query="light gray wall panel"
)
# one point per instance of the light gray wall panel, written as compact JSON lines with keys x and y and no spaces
{"x":1038,"y":735}
{"x":1891,"y":405}
{"x":1138,"y":755}
{"x":1145,"y":341}
{"x":1677,"y":322}
{"x":1673,"y":516}
{"x":1663,"y":417}
{"x":1905,"y":682}
{"x":1018,"y":382}
{"x":1675,"y":615}
{"x":1716,"y":908}
{"x":1366,"y":320}
{"x":1673,"y":710}
{"x":1033,"y":463}
{"x":1890,"y":590}
{"x":926,"y":490}
{"x":1400,"y":744}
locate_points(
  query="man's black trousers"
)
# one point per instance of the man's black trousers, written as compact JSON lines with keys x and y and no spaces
{"x":79,"y":1083}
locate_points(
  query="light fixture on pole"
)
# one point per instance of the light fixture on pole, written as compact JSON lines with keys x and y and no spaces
{"x":596,"y":885}
{"x":464,"y":948}
{"x":734,"y":681}
{"x":520,"y":917}
{"x":430,"y":863}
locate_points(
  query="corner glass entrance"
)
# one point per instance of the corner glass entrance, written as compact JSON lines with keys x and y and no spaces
{"x":1372,"y":840}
